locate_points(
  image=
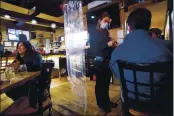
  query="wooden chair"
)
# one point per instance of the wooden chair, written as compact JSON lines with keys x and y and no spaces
{"x":22,"y":105}
{"x":138,"y":107}
{"x":44,"y":85}
{"x":62,"y":67}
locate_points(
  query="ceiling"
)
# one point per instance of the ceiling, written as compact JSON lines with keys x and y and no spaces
{"x":49,"y":7}
{"x":45,"y":6}
{"x":47,"y":11}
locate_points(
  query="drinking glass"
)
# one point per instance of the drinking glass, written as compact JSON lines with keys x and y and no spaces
{"x":2,"y":76}
{"x":25,"y":68}
{"x":9,"y":73}
{"x":22,"y":69}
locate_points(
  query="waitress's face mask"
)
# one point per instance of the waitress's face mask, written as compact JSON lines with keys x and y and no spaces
{"x":103,"y":25}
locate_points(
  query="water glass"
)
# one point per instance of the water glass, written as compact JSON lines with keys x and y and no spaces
{"x":22,"y":69}
{"x":2,"y":76}
{"x":25,"y":68}
{"x":9,"y":73}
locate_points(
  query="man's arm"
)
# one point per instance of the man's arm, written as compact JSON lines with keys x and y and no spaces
{"x":116,"y":55}
{"x":113,"y":63}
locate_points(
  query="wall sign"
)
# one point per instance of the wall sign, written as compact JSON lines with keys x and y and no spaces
{"x":138,"y":5}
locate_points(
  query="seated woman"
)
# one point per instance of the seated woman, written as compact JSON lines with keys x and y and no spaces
{"x":32,"y":59}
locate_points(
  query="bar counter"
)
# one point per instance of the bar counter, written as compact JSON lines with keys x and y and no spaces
{"x":53,"y":57}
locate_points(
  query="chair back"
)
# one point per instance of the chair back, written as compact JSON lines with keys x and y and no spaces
{"x":3,"y":60}
{"x":47,"y":67}
{"x":44,"y":82}
{"x":63,"y":67}
{"x":166,"y":83}
{"x":46,"y":70}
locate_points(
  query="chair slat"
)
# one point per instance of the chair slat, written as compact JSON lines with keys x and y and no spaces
{"x":151,"y":84}
{"x":135,"y":86}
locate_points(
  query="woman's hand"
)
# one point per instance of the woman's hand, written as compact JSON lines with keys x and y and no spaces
{"x":15,"y":64}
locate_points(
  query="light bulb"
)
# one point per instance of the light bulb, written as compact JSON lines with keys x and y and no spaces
{"x":53,"y":25}
{"x":34,"y":21}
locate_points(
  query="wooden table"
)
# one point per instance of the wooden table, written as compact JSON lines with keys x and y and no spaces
{"x":18,"y":81}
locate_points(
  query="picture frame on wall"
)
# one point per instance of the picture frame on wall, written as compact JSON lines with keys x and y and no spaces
{"x":7,"y":44}
{"x":15,"y":44}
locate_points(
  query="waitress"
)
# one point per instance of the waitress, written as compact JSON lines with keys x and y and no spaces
{"x":102,"y":46}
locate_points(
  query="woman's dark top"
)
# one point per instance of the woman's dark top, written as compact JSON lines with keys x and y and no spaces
{"x":32,"y":60}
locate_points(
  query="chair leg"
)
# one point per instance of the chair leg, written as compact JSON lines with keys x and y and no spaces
{"x":125,"y":110}
{"x":50,"y":111}
{"x":40,"y":114}
{"x":49,"y":95}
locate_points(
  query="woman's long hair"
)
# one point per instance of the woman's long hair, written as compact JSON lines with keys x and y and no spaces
{"x":28,"y":46}
{"x":29,"y":57}
{"x":29,"y":49}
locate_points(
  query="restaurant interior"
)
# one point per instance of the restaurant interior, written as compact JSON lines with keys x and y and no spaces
{"x":44,"y":24}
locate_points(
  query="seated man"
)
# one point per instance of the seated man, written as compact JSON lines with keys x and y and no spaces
{"x":156,"y":34}
{"x":139,"y":47}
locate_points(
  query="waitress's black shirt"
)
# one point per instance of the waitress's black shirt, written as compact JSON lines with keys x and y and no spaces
{"x":98,"y":43}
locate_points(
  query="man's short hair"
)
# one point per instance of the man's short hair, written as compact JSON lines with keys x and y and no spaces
{"x":140,"y":19}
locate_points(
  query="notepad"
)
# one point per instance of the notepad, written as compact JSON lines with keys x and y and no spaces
{"x":119,"y":41}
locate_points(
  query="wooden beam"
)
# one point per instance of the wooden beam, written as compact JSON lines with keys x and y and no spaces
{"x":17,"y":9}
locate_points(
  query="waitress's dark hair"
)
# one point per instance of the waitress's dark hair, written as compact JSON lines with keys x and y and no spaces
{"x":103,"y":14}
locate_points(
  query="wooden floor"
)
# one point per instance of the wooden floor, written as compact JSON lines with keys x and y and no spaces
{"x":66,"y":103}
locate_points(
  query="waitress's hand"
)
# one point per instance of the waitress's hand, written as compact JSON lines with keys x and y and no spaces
{"x":112,"y":43}
{"x":115,"y":44}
